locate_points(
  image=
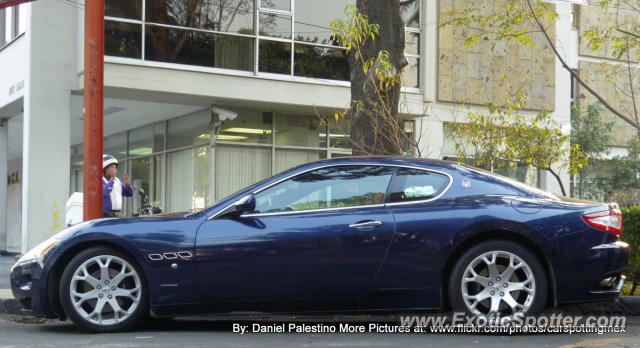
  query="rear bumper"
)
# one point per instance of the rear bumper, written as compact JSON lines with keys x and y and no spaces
{"x":599,"y":275}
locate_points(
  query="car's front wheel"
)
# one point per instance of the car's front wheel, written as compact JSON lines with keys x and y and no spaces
{"x":102,"y":289}
{"x":498,"y":279}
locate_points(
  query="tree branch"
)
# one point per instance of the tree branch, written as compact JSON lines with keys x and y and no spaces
{"x":575,"y":76}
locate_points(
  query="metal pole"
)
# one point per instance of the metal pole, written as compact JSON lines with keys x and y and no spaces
{"x":9,"y":3}
{"x":93,"y":108}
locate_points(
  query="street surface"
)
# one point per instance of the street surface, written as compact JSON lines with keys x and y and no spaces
{"x":207,"y":332}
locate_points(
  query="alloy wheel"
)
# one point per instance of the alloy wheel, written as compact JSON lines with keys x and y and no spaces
{"x":498,"y":283}
{"x":105,"y":290}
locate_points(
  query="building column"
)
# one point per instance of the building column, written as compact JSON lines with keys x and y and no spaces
{"x":47,"y":107}
{"x":4,"y":149}
{"x":430,"y":135}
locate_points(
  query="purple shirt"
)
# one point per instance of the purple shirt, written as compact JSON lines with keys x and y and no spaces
{"x":107,"y":196}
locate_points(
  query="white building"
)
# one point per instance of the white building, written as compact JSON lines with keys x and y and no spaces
{"x":270,"y":61}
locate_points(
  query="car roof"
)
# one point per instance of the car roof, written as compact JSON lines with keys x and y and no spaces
{"x":388,"y":160}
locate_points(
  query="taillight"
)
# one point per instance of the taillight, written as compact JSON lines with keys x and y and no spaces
{"x":608,"y":220}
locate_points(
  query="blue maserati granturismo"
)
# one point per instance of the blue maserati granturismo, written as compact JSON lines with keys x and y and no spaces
{"x":348,"y":235}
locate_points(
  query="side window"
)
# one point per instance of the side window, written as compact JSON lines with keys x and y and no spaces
{"x":333,"y":187}
{"x":415,"y":185}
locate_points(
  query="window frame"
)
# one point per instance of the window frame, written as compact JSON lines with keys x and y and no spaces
{"x":384,"y":198}
{"x":378,"y":205}
{"x":394,"y":182}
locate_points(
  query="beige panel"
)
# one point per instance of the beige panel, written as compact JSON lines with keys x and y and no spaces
{"x":612,"y":83}
{"x":473,"y":75}
{"x":593,"y":17}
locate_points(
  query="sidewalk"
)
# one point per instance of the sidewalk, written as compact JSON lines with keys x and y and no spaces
{"x":7,"y":303}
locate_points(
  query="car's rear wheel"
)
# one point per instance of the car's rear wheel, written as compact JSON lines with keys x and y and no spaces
{"x":498,"y":279}
{"x":103,"y":289}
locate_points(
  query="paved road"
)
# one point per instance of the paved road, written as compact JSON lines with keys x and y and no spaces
{"x":208,"y":333}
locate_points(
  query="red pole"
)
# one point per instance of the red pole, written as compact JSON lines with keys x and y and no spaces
{"x":93,"y":107}
{"x":9,"y":3}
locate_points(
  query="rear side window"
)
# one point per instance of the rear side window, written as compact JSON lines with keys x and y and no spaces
{"x":416,"y":185}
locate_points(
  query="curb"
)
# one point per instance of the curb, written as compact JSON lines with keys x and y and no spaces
{"x":10,"y":306}
{"x":627,"y":305}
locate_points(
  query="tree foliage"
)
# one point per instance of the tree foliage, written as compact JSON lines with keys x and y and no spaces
{"x":502,"y":136}
{"x":593,"y":136}
{"x":622,"y":181}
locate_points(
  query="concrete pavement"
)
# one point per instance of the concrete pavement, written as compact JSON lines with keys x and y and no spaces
{"x":192,"y":332}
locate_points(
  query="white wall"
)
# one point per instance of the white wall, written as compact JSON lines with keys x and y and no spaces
{"x":51,"y":75}
{"x":13,"y":70}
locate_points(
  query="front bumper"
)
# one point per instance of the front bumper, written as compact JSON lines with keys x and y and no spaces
{"x":28,"y":289}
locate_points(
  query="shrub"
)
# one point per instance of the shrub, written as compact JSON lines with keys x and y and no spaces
{"x":631,"y":235}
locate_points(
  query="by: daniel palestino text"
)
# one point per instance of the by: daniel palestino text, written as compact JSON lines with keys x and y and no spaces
{"x":319,"y":328}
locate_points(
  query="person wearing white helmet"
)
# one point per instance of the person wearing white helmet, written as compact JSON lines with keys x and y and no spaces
{"x":112,"y":188}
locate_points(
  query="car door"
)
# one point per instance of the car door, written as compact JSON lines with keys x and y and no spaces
{"x":422,"y":221}
{"x":320,"y":234}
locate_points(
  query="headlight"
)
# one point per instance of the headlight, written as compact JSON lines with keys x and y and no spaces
{"x":40,"y":250}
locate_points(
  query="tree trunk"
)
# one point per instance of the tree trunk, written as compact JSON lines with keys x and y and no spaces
{"x":371,"y":108}
{"x":555,"y":175}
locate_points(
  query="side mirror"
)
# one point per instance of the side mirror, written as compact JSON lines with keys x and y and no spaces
{"x":245,"y":204}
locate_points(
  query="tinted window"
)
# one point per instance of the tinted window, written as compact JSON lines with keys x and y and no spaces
{"x":334,"y":187}
{"x":414,"y":185}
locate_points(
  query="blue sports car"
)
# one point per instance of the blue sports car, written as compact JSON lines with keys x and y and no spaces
{"x":338,"y":235}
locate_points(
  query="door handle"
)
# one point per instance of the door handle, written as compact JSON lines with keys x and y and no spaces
{"x":373,"y":223}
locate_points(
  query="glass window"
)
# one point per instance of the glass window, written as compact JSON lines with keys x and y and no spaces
{"x":299,"y":130}
{"x":414,"y":185}
{"x":188,"y":179}
{"x":122,"y":39}
{"x":146,"y":179}
{"x":287,"y":158}
{"x":140,"y":141}
{"x":158,"y":136}
{"x":321,"y":62}
{"x":235,"y":16}
{"x":76,"y":156}
{"x":411,"y":73}
{"x":410,"y":11}
{"x":131,"y":9}
{"x":313,"y":19}
{"x":249,"y":127}
{"x":333,"y":187}
{"x":283,"y":5}
{"x":275,"y":25}
{"x":339,"y":133}
{"x":198,"y":48}
{"x":240,"y":166}
{"x":275,"y":57}
{"x":189,"y":130}
{"x":519,"y":172}
{"x":77,"y":181}
{"x":116,"y":145}
{"x":411,"y":42}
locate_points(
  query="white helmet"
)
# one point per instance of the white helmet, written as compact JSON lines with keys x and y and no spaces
{"x":108,"y":160}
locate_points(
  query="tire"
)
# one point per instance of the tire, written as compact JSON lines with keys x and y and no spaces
{"x":107,"y":278}
{"x":524,"y":293}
